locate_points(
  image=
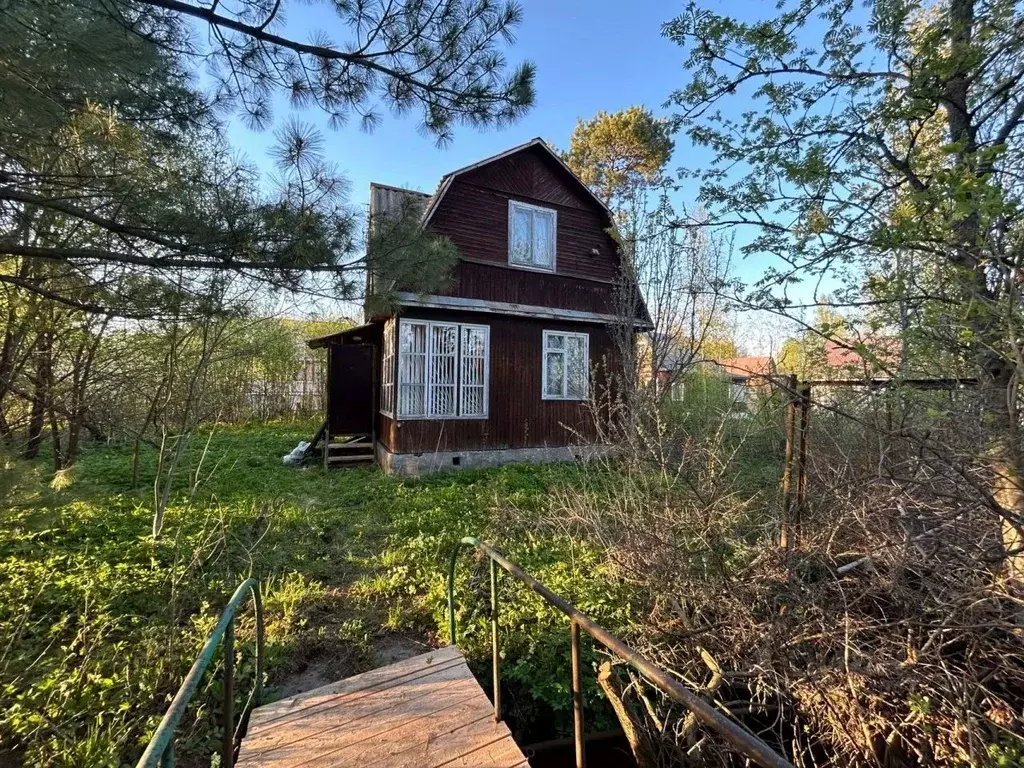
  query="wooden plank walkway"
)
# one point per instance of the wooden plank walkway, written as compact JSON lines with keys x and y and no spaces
{"x":427,"y":711}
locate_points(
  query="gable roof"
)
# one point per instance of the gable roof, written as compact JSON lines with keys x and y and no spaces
{"x":448,"y":178}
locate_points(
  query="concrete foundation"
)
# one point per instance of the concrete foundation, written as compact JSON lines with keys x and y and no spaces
{"x":414,"y":464}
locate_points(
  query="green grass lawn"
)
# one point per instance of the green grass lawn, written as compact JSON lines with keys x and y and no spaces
{"x":98,"y":625}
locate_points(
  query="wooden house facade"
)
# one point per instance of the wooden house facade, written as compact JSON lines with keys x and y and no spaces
{"x":506,"y":362}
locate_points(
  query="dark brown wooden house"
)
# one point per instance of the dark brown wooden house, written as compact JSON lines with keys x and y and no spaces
{"x":500,"y":366}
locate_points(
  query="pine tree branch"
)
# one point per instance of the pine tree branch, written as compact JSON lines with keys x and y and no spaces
{"x":169,"y":262}
{"x":359,"y":60}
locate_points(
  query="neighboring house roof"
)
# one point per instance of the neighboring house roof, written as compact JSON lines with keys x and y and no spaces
{"x":746,"y":367}
{"x":880,"y":353}
{"x":446,"y":180}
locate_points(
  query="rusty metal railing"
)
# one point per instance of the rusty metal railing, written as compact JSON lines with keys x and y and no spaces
{"x":737,"y":737}
{"x":160,"y":751}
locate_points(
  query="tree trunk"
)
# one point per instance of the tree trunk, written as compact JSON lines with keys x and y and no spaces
{"x":37,"y":416}
{"x":1005,"y":461}
{"x":14,"y":336}
{"x":997,"y":373}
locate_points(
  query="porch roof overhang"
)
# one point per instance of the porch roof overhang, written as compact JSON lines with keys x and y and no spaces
{"x":518,"y":310}
{"x":324,"y":341}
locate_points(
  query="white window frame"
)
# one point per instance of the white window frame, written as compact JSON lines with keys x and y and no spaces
{"x":429,"y":325}
{"x":512,"y":206}
{"x":434,"y":366}
{"x":565,"y":367}
{"x":399,"y":400}
{"x":389,"y":362}
{"x":739,"y":392}
{"x":485,"y":385}
{"x":677,"y":390}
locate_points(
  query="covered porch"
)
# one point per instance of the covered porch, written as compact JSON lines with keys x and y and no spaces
{"x":349,"y":432}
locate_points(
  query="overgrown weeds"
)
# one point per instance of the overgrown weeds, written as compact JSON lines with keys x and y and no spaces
{"x":885,"y":638}
{"x":100,"y":624}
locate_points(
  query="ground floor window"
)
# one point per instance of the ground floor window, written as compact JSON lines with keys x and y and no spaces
{"x":566,"y":366}
{"x":443,"y":369}
{"x":677,"y":391}
{"x":387,"y":378}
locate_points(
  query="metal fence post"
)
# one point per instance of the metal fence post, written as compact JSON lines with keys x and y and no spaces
{"x":577,"y":693}
{"x":495,"y":647}
{"x":227,"y":758}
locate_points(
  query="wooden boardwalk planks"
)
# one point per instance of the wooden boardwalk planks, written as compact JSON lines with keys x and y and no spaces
{"x":424,"y":712}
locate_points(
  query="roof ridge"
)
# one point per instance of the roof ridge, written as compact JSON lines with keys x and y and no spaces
{"x":537,"y":141}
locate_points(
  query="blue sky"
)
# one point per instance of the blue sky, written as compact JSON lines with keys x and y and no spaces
{"x":590,"y":55}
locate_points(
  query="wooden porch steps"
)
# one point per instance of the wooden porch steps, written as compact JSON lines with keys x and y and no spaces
{"x":427,"y":711}
{"x":348,"y":449}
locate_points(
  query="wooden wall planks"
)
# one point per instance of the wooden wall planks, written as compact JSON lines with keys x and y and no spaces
{"x":493,"y":282}
{"x":518,"y":418}
{"x":474,"y":214}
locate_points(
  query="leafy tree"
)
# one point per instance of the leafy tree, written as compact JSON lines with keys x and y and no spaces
{"x":833,"y":135}
{"x":619,"y":153}
{"x":112,"y":164}
{"x":673,"y":271}
{"x":120,"y":197}
{"x":791,"y":357}
{"x":718,"y":345}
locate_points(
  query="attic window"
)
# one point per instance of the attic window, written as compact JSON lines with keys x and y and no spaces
{"x":531,"y":236}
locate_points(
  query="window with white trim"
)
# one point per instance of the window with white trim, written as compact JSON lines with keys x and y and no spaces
{"x":442,"y":362}
{"x":443,"y":370}
{"x":473,"y":375}
{"x":412,"y":368}
{"x":387,"y":376}
{"x":531,"y":236}
{"x":566,"y":366}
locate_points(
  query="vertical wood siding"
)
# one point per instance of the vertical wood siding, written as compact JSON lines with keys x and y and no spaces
{"x":489,"y":282}
{"x":474,"y":214}
{"x":519,"y":418}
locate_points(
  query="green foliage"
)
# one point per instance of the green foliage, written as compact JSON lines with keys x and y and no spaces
{"x":618,"y":153}
{"x":117,"y":171}
{"x":101,"y":624}
{"x":749,"y":432}
{"x":895,"y":171}
{"x":428,"y":519}
{"x":805,"y":355}
{"x":1007,"y":753}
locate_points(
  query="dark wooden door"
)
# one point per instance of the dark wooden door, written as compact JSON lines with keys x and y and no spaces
{"x":350,"y":392}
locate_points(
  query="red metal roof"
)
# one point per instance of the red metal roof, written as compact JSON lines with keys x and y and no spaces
{"x":879,"y":353}
{"x":752,"y":365}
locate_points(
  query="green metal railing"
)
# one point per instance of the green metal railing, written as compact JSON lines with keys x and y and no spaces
{"x":160,"y":752}
{"x":739,"y":738}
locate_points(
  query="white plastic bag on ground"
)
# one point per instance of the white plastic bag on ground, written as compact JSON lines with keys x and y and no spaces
{"x":297,"y":456}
